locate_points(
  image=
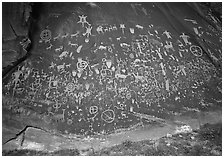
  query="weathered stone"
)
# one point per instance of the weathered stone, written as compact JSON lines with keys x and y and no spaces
{"x":67,"y":88}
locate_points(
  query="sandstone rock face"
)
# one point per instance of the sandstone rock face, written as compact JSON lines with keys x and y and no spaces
{"x":99,"y":68}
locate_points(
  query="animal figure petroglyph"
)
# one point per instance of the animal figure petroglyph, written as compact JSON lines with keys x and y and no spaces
{"x":139,"y":26}
{"x":59,"y":117}
{"x":63,"y":54}
{"x":61,"y":67}
{"x":59,"y":49}
{"x":72,"y":44}
{"x":74,"y":35}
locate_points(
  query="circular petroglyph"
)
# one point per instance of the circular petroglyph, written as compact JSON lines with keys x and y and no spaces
{"x":56,"y":106}
{"x":45,"y":35}
{"x":108,"y":116}
{"x":196,"y":51}
{"x":69,"y":121}
{"x":70,"y":87}
{"x":64,"y":100}
{"x":93,"y":109}
{"x":81,"y":64}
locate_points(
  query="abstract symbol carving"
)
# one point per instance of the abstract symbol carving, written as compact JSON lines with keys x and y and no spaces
{"x":45,"y":35}
{"x":64,"y":100}
{"x":56,"y":106}
{"x":81,"y":64}
{"x":196,"y":51}
{"x":83,"y":20}
{"x":70,"y":87}
{"x":93,"y":109}
{"x":108,"y":116}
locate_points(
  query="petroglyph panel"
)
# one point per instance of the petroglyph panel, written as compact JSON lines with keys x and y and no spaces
{"x":100,"y":78}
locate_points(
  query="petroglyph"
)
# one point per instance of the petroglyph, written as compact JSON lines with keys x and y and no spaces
{"x":82,"y":20}
{"x":122,"y":27}
{"x":196,"y":51}
{"x":45,"y":35}
{"x":185,"y":39}
{"x":59,"y":117}
{"x":169,"y":46}
{"x":139,"y":26}
{"x":93,"y":109}
{"x":63,"y":54}
{"x":132,"y":30}
{"x":115,"y":80}
{"x":168,"y":34}
{"x":78,"y":50}
{"x":88,"y":31}
{"x":108,"y":116}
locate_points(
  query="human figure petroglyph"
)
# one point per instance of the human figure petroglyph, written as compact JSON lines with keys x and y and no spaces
{"x":52,"y":65}
{"x":132,"y":30}
{"x":122,"y":27}
{"x":93,"y":109}
{"x":150,"y":33}
{"x":159,"y":54}
{"x":88,"y":31}
{"x":16,"y":77}
{"x":168,"y":34}
{"x":185,"y":39}
{"x":82,"y":20}
{"x":168,"y":46}
{"x":56,"y":106}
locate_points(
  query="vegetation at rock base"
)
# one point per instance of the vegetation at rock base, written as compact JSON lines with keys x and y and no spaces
{"x":204,"y":142}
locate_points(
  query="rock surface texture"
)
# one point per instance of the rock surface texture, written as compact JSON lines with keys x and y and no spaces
{"x":97,"y":71}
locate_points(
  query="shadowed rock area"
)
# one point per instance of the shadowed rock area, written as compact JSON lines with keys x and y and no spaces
{"x":91,"y":75}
